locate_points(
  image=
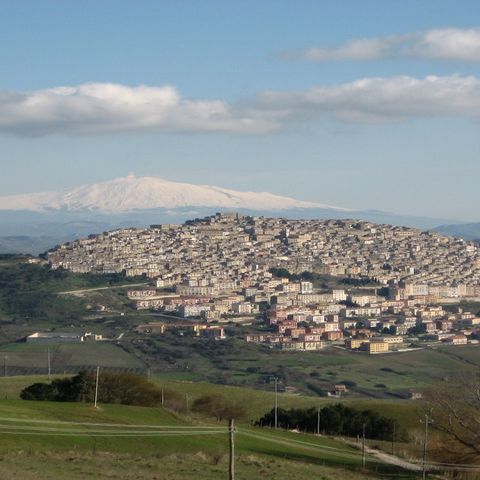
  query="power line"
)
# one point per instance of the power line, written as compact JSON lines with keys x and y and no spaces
{"x":123,"y":425}
{"x":114,"y":432}
{"x":110,"y":435}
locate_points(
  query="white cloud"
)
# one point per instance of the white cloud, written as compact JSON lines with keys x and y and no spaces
{"x":108,"y":107}
{"x":101,"y":108}
{"x":383,"y":99}
{"x":442,"y":43}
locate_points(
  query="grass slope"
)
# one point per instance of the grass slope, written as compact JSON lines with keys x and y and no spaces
{"x":260,"y":453}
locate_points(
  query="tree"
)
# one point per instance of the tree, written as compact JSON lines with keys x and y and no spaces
{"x":123,"y":388}
{"x":38,"y":391}
{"x":336,"y":419}
{"x":219,"y":407}
{"x":454,"y":407}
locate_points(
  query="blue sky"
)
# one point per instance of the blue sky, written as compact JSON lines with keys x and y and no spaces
{"x":406,"y":143}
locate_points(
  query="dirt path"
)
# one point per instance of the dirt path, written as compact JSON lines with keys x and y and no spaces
{"x":393,"y":460}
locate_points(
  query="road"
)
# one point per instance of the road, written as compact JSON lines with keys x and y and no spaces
{"x":86,"y":290}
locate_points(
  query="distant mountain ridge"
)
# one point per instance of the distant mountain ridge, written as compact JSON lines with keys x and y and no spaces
{"x":132,"y":193}
{"x":468,"y":231}
{"x":33,"y":223}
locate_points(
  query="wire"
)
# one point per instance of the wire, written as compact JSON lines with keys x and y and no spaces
{"x":110,"y":435}
{"x":62,"y":422}
{"x":114,"y":432}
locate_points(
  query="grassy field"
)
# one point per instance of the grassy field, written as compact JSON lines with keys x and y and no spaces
{"x":67,"y":357}
{"x":255,"y":402}
{"x":235,"y":362}
{"x":85,"y":452}
{"x":77,"y":465}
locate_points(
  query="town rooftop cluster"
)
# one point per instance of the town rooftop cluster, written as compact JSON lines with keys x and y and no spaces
{"x":220,"y":268}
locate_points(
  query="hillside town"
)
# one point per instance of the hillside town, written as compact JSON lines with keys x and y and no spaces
{"x":225,"y":268}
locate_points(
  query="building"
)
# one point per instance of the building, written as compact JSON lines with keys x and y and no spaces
{"x":355,"y":343}
{"x":377,"y":347}
{"x":62,"y":337}
{"x":213,"y":333}
{"x":155,"y":328}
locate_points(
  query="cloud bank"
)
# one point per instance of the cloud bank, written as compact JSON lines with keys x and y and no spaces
{"x":442,"y":44}
{"x":109,"y":108}
{"x":384,"y":99}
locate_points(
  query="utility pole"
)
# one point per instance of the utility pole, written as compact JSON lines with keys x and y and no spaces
{"x":231,"y":442}
{"x":363,"y":446}
{"x":163,"y":399}
{"x":5,"y":368}
{"x":318,"y":421}
{"x":186,"y":401}
{"x":276,"y":401}
{"x":48,"y":363}
{"x":393,"y":437}
{"x":425,"y":443}
{"x":96,"y":386}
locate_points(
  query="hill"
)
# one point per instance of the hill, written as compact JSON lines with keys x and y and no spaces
{"x":70,"y":440}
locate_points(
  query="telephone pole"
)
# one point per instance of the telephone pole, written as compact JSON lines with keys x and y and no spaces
{"x":363,"y":446}
{"x":5,"y":368}
{"x":393,"y":437}
{"x":48,"y":363}
{"x":425,"y":443}
{"x":96,"y":386}
{"x":318,"y":421}
{"x":276,"y":401}
{"x":231,"y":442}
{"x":163,"y":399}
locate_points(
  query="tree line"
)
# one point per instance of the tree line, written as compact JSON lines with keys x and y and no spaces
{"x":338,"y":420}
{"x":129,"y":389}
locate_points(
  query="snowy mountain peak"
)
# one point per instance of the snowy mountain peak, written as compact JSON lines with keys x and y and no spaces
{"x":132,"y":193}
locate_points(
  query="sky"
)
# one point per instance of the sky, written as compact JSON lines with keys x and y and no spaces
{"x":371,"y":104}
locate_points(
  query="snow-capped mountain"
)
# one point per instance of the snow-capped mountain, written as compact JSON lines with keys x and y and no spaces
{"x":31,"y":223}
{"x":132,"y":193}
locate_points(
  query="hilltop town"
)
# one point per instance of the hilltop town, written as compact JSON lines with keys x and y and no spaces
{"x":229,"y":267}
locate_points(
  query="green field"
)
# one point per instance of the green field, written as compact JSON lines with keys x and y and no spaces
{"x":43,"y":440}
{"x":235,"y":362}
{"x":66,"y":357}
{"x":255,"y":402}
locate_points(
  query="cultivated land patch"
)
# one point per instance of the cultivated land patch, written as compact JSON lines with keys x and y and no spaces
{"x":24,"y":358}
